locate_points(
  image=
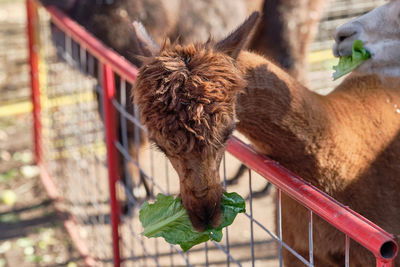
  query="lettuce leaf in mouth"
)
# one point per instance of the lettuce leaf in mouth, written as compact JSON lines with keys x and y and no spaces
{"x":349,"y":63}
{"x":167,"y":218}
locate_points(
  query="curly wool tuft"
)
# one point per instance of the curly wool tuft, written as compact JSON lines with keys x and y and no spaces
{"x":186,"y":95}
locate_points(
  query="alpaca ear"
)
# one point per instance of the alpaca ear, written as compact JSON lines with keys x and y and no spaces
{"x":232,"y":44}
{"x":146,"y":46}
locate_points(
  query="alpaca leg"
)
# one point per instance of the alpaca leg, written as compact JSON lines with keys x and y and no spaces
{"x":284,"y":44}
{"x":262,"y":193}
{"x":239,"y":173}
{"x":134,"y":139}
{"x":135,"y":186}
{"x":235,"y":178}
{"x":141,"y":189}
{"x":147,"y":187}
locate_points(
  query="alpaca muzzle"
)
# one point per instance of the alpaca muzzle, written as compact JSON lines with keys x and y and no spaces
{"x":200,"y":189}
{"x":203,"y":206}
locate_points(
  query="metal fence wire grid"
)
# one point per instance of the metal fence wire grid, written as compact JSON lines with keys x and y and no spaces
{"x":96,"y":164}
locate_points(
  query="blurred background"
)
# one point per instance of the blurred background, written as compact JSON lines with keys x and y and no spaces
{"x":31,"y":233}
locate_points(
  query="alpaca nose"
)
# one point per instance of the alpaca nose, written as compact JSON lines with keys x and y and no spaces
{"x":344,"y":33}
{"x":203,"y":210}
{"x":344,"y":37}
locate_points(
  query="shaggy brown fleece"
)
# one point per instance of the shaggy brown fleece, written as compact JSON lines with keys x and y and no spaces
{"x":186,"y":99}
{"x":188,"y":102}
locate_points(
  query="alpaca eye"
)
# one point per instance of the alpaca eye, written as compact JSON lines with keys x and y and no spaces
{"x":229,"y":134}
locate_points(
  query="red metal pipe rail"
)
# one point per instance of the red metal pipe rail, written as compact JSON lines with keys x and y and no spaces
{"x":106,"y":55}
{"x":372,"y":237}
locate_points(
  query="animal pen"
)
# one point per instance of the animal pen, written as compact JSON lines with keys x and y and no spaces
{"x":81,"y":118}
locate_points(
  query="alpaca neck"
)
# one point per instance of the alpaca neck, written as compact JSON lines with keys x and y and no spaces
{"x":363,"y":141}
{"x":279,"y":116}
{"x":327,"y":140}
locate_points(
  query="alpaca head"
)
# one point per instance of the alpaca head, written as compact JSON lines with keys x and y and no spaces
{"x":186,"y":99}
{"x":379,"y":30}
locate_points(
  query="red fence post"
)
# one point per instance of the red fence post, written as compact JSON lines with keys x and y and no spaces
{"x":33,"y":45}
{"x":112,"y":155}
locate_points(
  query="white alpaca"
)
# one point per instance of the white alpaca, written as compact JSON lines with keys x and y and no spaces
{"x":379,"y":30}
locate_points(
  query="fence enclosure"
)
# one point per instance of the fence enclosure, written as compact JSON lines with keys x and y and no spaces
{"x":96,"y":166}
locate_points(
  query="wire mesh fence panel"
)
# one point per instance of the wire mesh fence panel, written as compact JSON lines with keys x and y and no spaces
{"x":72,"y":135}
{"x":91,"y":145}
{"x":243,"y":244}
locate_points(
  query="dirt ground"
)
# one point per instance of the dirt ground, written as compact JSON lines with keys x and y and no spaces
{"x":31,"y":233}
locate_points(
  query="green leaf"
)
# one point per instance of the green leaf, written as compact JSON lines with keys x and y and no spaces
{"x":3,"y":262}
{"x":9,"y":218}
{"x":349,"y":63}
{"x":9,"y":175}
{"x":42,"y":244}
{"x":34,"y":258}
{"x":168,"y":218}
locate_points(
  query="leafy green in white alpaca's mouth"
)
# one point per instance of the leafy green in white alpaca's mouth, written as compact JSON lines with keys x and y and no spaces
{"x":349,"y":63}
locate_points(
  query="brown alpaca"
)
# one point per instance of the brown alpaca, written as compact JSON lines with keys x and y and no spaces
{"x":193,"y":20}
{"x":285,"y":32}
{"x":283,"y":35}
{"x":110,"y":21}
{"x":190,"y":116}
{"x":345,"y":143}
